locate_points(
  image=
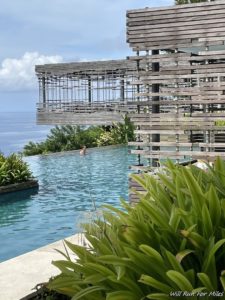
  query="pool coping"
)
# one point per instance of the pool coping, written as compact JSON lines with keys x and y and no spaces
{"x":75,"y":151}
{"x":20,"y":275}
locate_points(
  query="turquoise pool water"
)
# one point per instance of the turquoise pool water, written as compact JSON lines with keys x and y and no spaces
{"x":70,"y":187}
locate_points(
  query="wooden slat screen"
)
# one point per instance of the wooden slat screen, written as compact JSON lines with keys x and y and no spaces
{"x":188,"y":85}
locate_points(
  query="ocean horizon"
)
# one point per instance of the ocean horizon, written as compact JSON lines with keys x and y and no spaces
{"x":17,"y":129}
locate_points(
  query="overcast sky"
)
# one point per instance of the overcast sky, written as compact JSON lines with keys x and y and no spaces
{"x":50,"y":31}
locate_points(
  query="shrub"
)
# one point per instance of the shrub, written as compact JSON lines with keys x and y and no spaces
{"x":68,"y":137}
{"x":34,"y":148}
{"x":188,"y":1}
{"x":105,"y":139}
{"x":119,"y":133}
{"x":173,"y":240}
{"x":13,"y":170}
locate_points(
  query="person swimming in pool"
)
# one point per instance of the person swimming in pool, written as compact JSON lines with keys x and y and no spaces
{"x":83,"y":150}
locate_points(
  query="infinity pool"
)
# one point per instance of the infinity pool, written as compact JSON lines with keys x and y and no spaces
{"x":71,"y":186}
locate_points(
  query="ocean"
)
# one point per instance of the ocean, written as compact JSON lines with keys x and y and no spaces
{"x":17,"y":129}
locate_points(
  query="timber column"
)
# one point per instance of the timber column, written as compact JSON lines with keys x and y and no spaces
{"x":122,"y":88}
{"x":155,"y":107}
{"x":89,"y":90}
{"x":43,"y":92}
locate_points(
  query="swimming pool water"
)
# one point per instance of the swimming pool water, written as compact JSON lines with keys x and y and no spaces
{"x":70,"y":186}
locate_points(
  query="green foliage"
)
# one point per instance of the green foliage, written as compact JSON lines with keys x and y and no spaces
{"x":64,"y":138}
{"x":43,"y":293}
{"x":219,"y":123}
{"x":34,"y":148}
{"x":189,"y":1}
{"x":173,"y":240}
{"x":119,"y":133}
{"x":13,"y":170}
{"x":105,"y":139}
{"x":68,"y":137}
{"x":123,"y":133}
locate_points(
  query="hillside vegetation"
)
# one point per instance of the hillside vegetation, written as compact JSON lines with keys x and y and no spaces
{"x":68,"y":137}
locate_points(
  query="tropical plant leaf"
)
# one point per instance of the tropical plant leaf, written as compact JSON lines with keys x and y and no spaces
{"x":182,"y":254}
{"x":155,"y":284}
{"x":87,"y":291}
{"x":158,"y":296}
{"x":121,"y":295}
{"x":212,"y":253}
{"x":205,"y":280}
{"x":180,"y":280}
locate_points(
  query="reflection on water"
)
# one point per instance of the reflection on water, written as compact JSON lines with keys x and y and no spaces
{"x":70,"y":186}
{"x":13,"y":206}
{"x":17,"y":196}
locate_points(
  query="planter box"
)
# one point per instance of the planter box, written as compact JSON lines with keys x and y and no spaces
{"x":19,"y":186}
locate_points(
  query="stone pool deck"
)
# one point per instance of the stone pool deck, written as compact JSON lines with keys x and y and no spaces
{"x":20,"y":275}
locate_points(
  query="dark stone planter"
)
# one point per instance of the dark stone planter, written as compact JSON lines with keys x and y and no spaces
{"x":18,"y":186}
{"x":43,"y":294}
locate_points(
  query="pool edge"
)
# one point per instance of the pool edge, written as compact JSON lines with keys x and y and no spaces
{"x":20,"y":275}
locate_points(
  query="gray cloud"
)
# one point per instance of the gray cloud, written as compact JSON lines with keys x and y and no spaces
{"x":18,"y":74}
{"x":71,"y":28}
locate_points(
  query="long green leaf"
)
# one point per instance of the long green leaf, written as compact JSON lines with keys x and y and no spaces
{"x":139,"y":180}
{"x":196,"y":239}
{"x":94,"y":278}
{"x":156,"y":284}
{"x":214,"y":206}
{"x":168,"y":183}
{"x":204,"y":278}
{"x":219,"y":167}
{"x":66,"y":267}
{"x":129,"y":283}
{"x":195,"y":190}
{"x":99,"y":268}
{"x":174,"y":264}
{"x":222,"y":279}
{"x":155,"y":214}
{"x":114,"y":260}
{"x":175,"y":218}
{"x":211,"y":254}
{"x":121,"y":295}
{"x":182,"y":254}
{"x":158,"y":296}
{"x":87,"y":291}
{"x":180,"y":280}
{"x":80,"y":251}
{"x":152,"y":253}
{"x":206,"y":222}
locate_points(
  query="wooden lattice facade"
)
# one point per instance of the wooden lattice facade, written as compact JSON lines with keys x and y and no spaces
{"x":173,"y":88}
{"x":181,"y":103}
{"x":85,"y":93}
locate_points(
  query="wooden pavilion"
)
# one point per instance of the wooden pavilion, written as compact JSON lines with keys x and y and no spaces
{"x":85,"y":93}
{"x":173,"y":88}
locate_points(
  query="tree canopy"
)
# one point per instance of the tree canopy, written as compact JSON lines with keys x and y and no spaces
{"x":68,"y":137}
{"x":188,"y":1}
